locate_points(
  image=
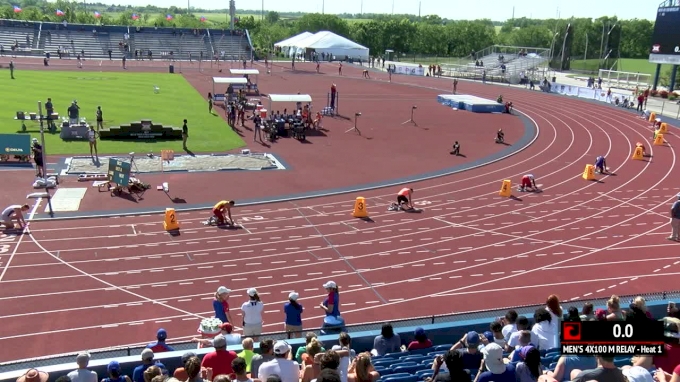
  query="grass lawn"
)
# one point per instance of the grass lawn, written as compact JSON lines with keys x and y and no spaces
{"x":124,"y":97}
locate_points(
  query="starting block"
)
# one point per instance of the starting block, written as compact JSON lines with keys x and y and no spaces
{"x":638,"y":154}
{"x":589,"y":172}
{"x":506,"y":189}
{"x":100,"y":185}
{"x":170,"y":222}
{"x":652,"y":117}
{"x":663,"y":129}
{"x":360,"y":208}
{"x":658,"y":139}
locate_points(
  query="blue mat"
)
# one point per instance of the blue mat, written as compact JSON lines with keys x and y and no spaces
{"x":470,"y":103}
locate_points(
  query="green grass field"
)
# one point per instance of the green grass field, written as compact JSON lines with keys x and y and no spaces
{"x":124,"y":97}
{"x":633,"y":65}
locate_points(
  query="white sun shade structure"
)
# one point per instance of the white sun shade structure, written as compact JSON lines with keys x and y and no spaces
{"x":249,"y":73}
{"x":292,"y":98}
{"x":225,"y":82}
{"x":288,"y":46}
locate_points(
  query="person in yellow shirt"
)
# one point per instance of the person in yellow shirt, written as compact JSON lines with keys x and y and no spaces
{"x":222,"y":212}
{"x":247,"y":353}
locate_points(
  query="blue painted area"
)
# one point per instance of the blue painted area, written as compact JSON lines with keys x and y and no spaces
{"x":446,"y":333}
{"x":530,"y":134}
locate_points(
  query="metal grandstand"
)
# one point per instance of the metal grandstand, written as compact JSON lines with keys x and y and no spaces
{"x":527,"y":310}
{"x":518,"y":61}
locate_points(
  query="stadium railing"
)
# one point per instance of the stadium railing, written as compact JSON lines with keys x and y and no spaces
{"x":443,"y":329}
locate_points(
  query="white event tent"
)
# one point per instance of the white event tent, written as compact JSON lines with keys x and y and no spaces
{"x":288,"y":45}
{"x":330,"y":43}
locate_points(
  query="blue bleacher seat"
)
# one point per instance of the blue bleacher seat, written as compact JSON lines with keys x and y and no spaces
{"x":386,"y":362}
{"x":552,"y":366}
{"x":379,"y":369}
{"x":394,"y":355}
{"x":405,"y":378}
{"x":473,"y":372}
{"x":408,"y":368}
{"x":546,"y":361}
{"x":421,"y":351}
{"x":443,"y":347}
{"x":416,"y":358}
{"x":622,"y":362}
{"x":436,"y":353}
{"x":423,"y":374}
{"x":395,"y":375}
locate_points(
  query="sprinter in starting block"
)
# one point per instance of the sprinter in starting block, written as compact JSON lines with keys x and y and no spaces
{"x":528,"y":183}
{"x":642,"y":146}
{"x":221,"y":214}
{"x":601,"y":165}
{"x":500,"y":136}
{"x":404,"y":201}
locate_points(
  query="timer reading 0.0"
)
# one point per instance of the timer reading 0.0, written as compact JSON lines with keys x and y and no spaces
{"x":624,"y":331}
{"x":612,"y":332}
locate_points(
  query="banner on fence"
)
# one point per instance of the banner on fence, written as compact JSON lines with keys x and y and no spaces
{"x":15,"y":144}
{"x":409,"y":70}
{"x":589,"y":93}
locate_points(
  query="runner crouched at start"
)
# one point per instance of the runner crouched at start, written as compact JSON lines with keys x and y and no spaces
{"x":222,"y":212}
{"x":601,"y":165}
{"x":528,"y":183}
{"x":500,"y":136}
{"x":404,"y":200}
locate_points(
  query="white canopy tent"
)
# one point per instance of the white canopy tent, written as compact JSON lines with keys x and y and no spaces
{"x":301,"y":98}
{"x":242,"y":81}
{"x":290,"y":41}
{"x":248,"y":74}
{"x":333,"y":44}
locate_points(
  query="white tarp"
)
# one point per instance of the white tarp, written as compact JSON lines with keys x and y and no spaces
{"x":247,"y":72}
{"x":330,"y":43}
{"x":229,"y":80}
{"x":290,"y":98}
{"x":290,"y":41}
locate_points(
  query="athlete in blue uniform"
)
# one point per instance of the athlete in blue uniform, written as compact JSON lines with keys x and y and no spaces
{"x":601,"y":165}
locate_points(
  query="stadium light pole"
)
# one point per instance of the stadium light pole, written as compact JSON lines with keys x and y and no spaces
{"x":323,"y":6}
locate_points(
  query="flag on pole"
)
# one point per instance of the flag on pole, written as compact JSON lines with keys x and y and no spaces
{"x":135,"y":16}
{"x":17,"y":9}
{"x":97,"y":15}
{"x":59,"y":12}
{"x":203,"y":19}
{"x":168,"y":17}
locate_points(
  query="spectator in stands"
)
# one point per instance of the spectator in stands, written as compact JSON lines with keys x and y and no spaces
{"x":614,"y":309}
{"x":160,"y":346}
{"x":147,"y":362}
{"x":449,"y":368}
{"x":63,"y":378}
{"x":467,"y":346}
{"x":573,"y":315}
{"x":33,"y":375}
{"x":420,"y":340}
{"x":266,"y":355}
{"x":661,"y":376}
{"x":151,"y":373}
{"x":247,"y":354}
{"x":524,"y":341}
{"x":544,"y":329}
{"x":252,"y":314}
{"x":522,"y":324}
{"x":530,"y":367}
{"x":566,"y":364}
{"x":588,"y":312}
{"x":195,"y":372}
{"x":671,"y":359}
{"x":387,"y":341}
{"x":293,"y":311}
{"x":497,"y":370}
{"x":552,"y":304}
{"x":239,"y":366}
{"x":221,"y":304}
{"x":635,"y":314}
{"x":510,"y":323}
{"x":82,"y":374}
{"x":302,"y":349}
{"x":641,"y":304}
{"x":282,"y":364}
{"x":604,"y":372}
{"x":330,"y":360}
{"x":637,"y":374}
{"x":220,"y":359}
{"x":328,"y":375}
{"x":181,"y":373}
{"x":361,"y":370}
{"x":497,"y":331}
{"x":311,"y":350}
{"x":114,"y":373}
{"x":344,"y":343}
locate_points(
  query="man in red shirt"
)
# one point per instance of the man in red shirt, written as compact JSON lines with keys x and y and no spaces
{"x":220,"y":359}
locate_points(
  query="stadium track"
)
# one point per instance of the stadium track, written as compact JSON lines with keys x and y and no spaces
{"x":469,"y":250}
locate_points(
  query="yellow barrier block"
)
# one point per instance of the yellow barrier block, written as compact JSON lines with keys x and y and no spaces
{"x":360,"y":208}
{"x":663,"y":129}
{"x":170,"y":222}
{"x":638,"y":153}
{"x":506,"y":189}
{"x":589,"y":172}
{"x":652,"y":117}
{"x":658,"y":139}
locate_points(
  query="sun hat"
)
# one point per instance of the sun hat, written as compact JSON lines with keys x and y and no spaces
{"x":219,"y":341}
{"x":293,"y":296}
{"x":252,"y":292}
{"x":330,"y":284}
{"x":147,"y":355}
{"x":281,"y":347}
{"x":493,"y":358}
{"x":223,"y":290}
{"x":34,"y":375}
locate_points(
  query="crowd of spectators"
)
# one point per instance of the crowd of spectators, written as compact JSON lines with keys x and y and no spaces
{"x":512,"y":350}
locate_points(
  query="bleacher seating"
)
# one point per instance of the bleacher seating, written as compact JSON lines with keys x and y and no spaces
{"x":11,"y":35}
{"x":73,"y":42}
{"x":159,"y":43}
{"x":230,"y":47}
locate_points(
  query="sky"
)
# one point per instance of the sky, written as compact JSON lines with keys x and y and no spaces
{"x":497,"y":10}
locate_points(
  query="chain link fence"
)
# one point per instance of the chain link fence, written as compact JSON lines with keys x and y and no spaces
{"x":526,"y":310}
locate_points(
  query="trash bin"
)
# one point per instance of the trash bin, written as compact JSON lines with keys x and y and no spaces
{"x":554,"y":79}
{"x":171,"y":69}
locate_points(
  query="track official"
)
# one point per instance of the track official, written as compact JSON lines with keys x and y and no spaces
{"x":675,"y":220}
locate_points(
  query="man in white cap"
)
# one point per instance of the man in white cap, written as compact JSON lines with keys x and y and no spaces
{"x":82,"y":374}
{"x":675,"y":220}
{"x":252,"y":314}
{"x":282,"y":365}
{"x":498,"y":371}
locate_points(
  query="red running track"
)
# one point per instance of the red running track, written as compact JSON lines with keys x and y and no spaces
{"x":119,"y":279}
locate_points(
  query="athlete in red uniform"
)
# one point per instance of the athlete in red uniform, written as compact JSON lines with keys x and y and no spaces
{"x":528,"y":183}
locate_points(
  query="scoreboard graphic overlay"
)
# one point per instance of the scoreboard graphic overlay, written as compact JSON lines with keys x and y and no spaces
{"x":612,"y":338}
{"x":665,"y":44}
